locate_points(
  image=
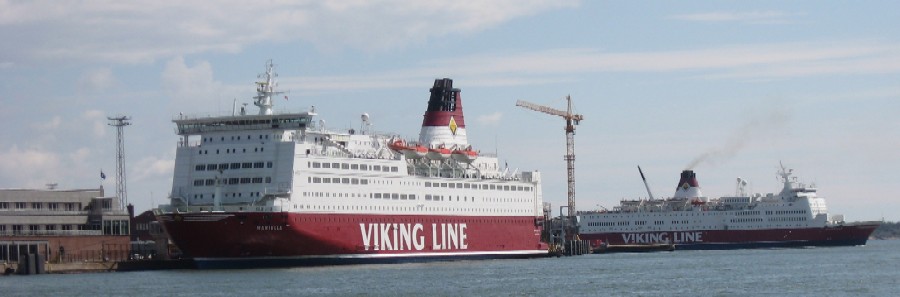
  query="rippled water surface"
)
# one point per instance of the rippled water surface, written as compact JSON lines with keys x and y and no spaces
{"x":872,"y":270}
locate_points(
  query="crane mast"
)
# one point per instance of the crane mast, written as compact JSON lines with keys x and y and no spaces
{"x":572,"y":119}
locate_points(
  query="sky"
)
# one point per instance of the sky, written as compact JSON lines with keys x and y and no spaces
{"x":726,"y":88}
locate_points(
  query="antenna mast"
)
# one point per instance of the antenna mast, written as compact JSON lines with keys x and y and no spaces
{"x":120,"y":122}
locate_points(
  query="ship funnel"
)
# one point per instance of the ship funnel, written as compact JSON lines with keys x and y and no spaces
{"x":444,"y":123}
{"x":688,"y":187}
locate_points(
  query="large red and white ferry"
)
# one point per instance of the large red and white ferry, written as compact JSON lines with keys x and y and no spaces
{"x":281,"y":189}
{"x":794,"y":217}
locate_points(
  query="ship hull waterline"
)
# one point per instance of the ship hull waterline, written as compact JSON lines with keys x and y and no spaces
{"x":285,"y":239}
{"x":846,"y":235}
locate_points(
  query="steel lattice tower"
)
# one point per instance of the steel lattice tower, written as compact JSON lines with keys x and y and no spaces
{"x":120,"y":122}
{"x":572,"y":119}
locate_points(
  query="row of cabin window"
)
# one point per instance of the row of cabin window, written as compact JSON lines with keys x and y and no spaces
{"x":747,"y":213}
{"x":636,"y":223}
{"x":783,"y":212}
{"x":40,"y":205}
{"x":114,"y":227}
{"x":746,"y":220}
{"x":233,"y":181}
{"x":231,"y":151}
{"x":787,"y":219}
{"x":235,"y":194}
{"x":232,"y":166}
{"x":338,"y":180}
{"x":394,"y":196}
{"x":477,"y":186}
{"x":391,"y":196}
{"x":349,"y":166}
{"x":210,"y":139}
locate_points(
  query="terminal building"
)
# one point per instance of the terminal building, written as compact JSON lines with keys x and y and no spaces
{"x":81,"y":225}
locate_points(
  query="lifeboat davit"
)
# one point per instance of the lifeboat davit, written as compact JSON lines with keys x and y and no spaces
{"x":466,"y":156}
{"x":439,"y":153}
{"x":416,"y":151}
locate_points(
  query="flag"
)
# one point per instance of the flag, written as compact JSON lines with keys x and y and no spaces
{"x":102,"y":175}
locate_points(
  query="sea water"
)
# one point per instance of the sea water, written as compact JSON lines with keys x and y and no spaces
{"x":871,"y":270}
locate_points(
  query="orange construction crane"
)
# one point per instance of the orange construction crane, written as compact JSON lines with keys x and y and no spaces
{"x":572,"y":119}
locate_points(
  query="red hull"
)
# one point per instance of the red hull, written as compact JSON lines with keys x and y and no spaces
{"x":727,"y":239}
{"x":223,"y":236}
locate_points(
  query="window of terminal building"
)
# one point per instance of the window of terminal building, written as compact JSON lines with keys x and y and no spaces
{"x":258,"y":165}
{"x":21,"y":205}
{"x":4,"y":205}
{"x":36,"y":205}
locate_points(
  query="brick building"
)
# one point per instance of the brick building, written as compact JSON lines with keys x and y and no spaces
{"x":62,"y":225}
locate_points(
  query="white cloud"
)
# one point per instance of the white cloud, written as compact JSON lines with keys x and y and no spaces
{"x":753,"y":17}
{"x":153,"y":167}
{"x":96,"y":80}
{"x":97,"y":120}
{"x":744,"y":62}
{"x":50,"y":126}
{"x":490,"y":119}
{"x":185,"y":84}
{"x":140,"y":32}
{"x":28,"y":168}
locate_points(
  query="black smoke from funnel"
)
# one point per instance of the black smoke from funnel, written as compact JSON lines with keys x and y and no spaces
{"x":750,"y":130}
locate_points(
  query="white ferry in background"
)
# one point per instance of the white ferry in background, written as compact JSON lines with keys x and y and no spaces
{"x":279,"y":189}
{"x":794,"y":217}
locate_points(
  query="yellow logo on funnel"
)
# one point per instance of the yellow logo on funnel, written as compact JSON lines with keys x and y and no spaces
{"x":452,"y":125}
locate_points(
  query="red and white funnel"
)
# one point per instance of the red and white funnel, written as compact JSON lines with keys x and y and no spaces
{"x":688,"y":187}
{"x":444,"y":124}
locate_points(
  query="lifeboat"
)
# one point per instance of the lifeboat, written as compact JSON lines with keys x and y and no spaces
{"x":416,"y":151}
{"x":439,"y":153}
{"x":466,"y":155}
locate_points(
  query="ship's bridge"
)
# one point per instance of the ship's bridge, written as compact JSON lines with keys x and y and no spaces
{"x":200,"y":125}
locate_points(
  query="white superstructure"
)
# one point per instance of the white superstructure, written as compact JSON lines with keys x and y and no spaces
{"x":289,"y":162}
